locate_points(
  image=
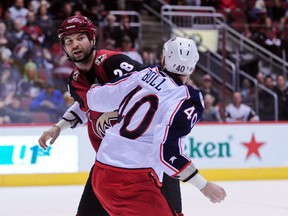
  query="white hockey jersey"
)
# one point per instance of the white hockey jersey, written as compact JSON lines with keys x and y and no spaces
{"x":155,"y":113}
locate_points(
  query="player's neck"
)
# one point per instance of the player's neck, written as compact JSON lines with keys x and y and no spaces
{"x":87,"y":64}
{"x":181,"y":78}
{"x":184,"y":79}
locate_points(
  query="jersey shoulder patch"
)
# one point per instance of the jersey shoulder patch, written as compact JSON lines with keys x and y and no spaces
{"x":74,"y":75}
{"x":102,"y":55}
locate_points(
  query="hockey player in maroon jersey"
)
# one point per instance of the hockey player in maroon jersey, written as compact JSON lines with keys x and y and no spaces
{"x":156,"y":112}
{"x":78,"y":40}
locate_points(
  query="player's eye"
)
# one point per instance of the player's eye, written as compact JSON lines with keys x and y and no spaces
{"x":82,"y":37}
{"x":68,"y":42}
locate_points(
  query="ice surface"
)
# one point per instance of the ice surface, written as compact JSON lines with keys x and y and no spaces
{"x":244,"y":198}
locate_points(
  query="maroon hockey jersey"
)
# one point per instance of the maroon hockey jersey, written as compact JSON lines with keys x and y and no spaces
{"x":107,"y":66}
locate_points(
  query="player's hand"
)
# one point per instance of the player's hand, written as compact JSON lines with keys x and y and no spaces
{"x":52,"y":133}
{"x":214,"y":192}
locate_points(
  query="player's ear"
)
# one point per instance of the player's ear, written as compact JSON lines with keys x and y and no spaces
{"x":162,"y":62}
{"x":93,"y":42}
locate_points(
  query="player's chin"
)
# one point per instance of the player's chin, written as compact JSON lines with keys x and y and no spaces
{"x":77,"y":58}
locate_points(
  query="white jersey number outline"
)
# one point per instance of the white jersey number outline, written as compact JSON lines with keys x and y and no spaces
{"x":191,"y":114}
{"x":146,"y":117}
{"x":125,"y":66}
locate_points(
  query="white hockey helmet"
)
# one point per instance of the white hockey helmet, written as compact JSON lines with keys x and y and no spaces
{"x":181,"y":56}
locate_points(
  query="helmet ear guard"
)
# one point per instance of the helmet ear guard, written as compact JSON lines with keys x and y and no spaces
{"x":180,"y":56}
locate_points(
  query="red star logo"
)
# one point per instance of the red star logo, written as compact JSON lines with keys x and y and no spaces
{"x":253,"y":147}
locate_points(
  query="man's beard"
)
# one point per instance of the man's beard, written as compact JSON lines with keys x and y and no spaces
{"x":86,"y":57}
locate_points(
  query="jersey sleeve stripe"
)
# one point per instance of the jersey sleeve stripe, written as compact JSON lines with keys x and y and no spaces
{"x":165,"y":138}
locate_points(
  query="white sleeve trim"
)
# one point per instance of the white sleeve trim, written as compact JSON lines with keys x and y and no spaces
{"x":63,"y":124}
{"x":75,"y":115}
{"x":198,"y":181}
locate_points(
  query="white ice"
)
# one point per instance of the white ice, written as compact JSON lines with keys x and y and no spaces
{"x":244,"y":198}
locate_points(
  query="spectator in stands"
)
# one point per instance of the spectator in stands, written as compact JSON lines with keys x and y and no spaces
{"x":33,"y":5}
{"x":239,"y":112}
{"x":269,"y":82}
{"x":211,"y":113}
{"x":124,"y":29}
{"x":150,"y":57}
{"x":109,"y":44}
{"x":50,"y":100}
{"x":33,"y":30}
{"x":276,"y":13}
{"x":127,"y":49}
{"x":259,"y":34}
{"x":258,"y":11}
{"x":273,"y":42}
{"x":4,"y":119}
{"x":95,"y":10}
{"x":67,"y":9}
{"x":46,"y":64}
{"x":16,"y":36}
{"x":7,"y":92}
{"x":5,"y":52}
{"x":266,"y":101}
{"x":247,"y":31}
{"x":29,"y":85}
{"x":16,"y":113}
{"x":6,"y":61}
{"x":146,"y":56}
{"x":36,"y":40}
{"x":109,"y":29}
{"x":18,"y":11}
{"x":260,"y":78}
{"x":206,"y":88}
{"x":281,"y":90}
{"x":7,"y":19}
{"x":226,"y":7}
{"x":61,"y":9}
{"x":3,"y":30}
{"x":46,"y":23}
{"x":7,"y":85}
{"x":248,"y":92}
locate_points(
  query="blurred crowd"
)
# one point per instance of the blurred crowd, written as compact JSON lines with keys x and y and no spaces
{"x":34,"y":69}
{"x":241,"y":107}
{"x":266,"y":23}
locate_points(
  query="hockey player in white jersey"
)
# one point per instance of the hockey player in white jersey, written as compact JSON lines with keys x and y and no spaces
{"x":156,"y":111}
